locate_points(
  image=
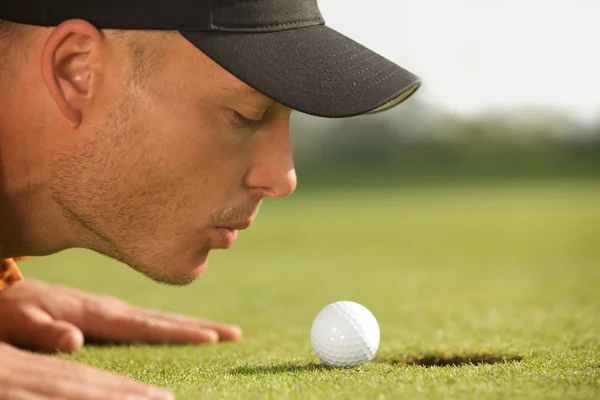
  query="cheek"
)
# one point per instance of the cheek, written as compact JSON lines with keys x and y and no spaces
{"x":192,"y":147}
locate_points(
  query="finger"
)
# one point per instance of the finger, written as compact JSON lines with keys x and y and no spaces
{"x":111,"y":320}
{"x":227,"y":332}
{"x":126,"y":327}
{"x":37,"y":330}
{"x":24,"y":363}
{"x":19,"y":394}
{"x":69,"y":390}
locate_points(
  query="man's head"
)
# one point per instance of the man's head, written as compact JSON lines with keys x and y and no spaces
{"x":152,"y":160}
{"x":144,"y":148}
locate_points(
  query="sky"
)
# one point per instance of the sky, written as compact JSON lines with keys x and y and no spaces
{"x":481,"y":55}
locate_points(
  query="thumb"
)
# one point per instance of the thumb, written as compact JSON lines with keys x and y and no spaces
{"x":39,"y":331}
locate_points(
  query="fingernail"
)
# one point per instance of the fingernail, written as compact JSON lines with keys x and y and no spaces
{"x":134,"y":397}
{"x":214,"y":337}
{"x":70,"y":341}
{"x":160,"y":394}
{"x":236,"y":332}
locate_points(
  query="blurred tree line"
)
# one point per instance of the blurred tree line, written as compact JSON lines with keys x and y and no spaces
{"x":418,"y":144}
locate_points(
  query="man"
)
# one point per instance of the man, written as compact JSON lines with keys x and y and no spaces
{"x":149,"y":131}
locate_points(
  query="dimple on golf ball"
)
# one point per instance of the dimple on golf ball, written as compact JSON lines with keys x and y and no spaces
{"x":345,"y":334}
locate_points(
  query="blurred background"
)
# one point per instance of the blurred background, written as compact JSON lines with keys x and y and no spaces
{"x":511,"y":91}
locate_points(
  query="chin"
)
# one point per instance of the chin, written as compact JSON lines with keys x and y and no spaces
{"x":181,"y":273}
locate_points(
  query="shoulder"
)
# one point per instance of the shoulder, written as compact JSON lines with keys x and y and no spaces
{"x":9,"y":273}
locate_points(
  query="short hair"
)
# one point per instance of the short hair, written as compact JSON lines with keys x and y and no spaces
{"x":13,"y":36}
{"x":146,"y":48}
{"x":12,"y":29}
{"x":5,"y":28}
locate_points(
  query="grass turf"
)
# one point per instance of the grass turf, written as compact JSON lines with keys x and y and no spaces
{"x":454,"y":275}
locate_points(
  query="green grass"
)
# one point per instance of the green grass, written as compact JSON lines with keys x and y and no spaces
{"x":503,"y":270}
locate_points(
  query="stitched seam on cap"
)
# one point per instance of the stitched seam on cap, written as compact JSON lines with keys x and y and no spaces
{"x":339,"y":53}
{"x":301,"y":88}
{"x":212,"y":14}
{"x":284,"y":25}
{"x":342,"y":52}
{"x":345,"y":86}
{"x":292,"y":23}
{"x":362,"y":71}
{"x":362,"y":89}
{"x":357,"y":64}
{"x":353,"y":67}
{"x":358,"y":54}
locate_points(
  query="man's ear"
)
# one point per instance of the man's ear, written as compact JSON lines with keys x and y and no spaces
{"x":71,"y":61}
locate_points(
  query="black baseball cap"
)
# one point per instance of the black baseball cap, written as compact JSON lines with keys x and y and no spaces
{"x":281,"y":48}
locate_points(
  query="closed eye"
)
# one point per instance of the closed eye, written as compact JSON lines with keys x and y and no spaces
{"x":242,"y":121}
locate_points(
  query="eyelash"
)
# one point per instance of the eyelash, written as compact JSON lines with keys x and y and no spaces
{"x":244,"y":122}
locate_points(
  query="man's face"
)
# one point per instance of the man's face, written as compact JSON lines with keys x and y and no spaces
{"x":166,"y":167}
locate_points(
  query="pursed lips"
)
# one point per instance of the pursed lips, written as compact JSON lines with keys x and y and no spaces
{"x":227,"y":234}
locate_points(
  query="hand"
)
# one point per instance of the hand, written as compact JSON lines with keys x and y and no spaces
{"x":38,"y":316}
{"x":28,"y":376}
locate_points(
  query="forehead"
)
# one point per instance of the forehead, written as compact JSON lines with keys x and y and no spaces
{"x":235,"y":87}
{"x":203,"y":68}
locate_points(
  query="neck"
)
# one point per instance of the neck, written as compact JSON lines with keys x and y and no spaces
{"x":30,"y":224}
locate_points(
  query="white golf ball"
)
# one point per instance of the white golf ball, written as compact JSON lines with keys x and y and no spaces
{"x":345,"y":334}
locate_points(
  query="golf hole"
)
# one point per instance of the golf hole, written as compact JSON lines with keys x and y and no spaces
{"x":451,"y":359}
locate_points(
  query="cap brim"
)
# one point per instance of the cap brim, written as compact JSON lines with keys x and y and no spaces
{"x":315,"y":70}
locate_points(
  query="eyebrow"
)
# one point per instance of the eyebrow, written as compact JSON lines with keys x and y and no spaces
{"x":245,"y":90}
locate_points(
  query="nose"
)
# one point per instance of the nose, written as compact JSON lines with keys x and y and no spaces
{"x":276,"y":184}
{"x":272,"y":173}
